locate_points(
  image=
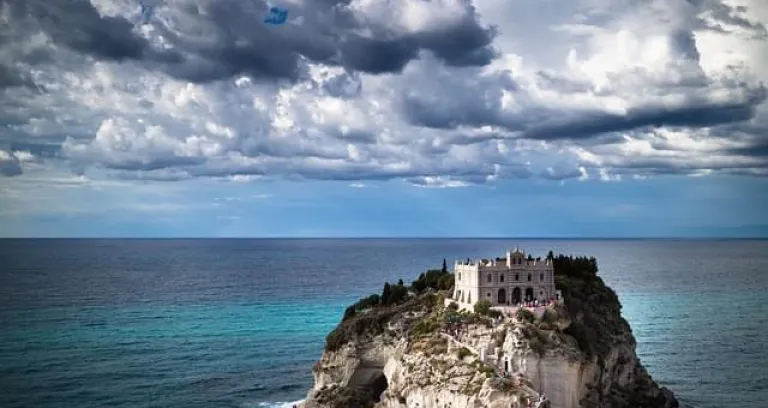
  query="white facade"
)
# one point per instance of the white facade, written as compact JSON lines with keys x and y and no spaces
{"x":504,"y":281}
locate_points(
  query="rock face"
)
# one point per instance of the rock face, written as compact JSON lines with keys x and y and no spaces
{"x":581,"y":356}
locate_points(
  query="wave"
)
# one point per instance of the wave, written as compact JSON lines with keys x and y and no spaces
{"x":274,"y":404}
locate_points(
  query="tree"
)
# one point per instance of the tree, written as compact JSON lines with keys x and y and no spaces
{"x":550,"y":255}
{"x":400,"y":282}
{"x":445,"y":282}
{"x":419,"y":285}
{"x":445,"y":267}
{"x":398,"y":293}
{"x":483,"y":307}
{"x":386,"y":294}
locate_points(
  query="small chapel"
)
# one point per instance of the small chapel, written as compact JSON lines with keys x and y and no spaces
{"x":508,"y":281}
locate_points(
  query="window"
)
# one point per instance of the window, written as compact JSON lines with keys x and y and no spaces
{"x":529,"y":277}
{"x":501,"y":278}
{"x":469,"y":298}
{"x":459,"y":275}
{"x":517,"y":277}
{"x":488,"y":294}
{"x":541,"y":277}
{"x":462,"y":297}
{"x":489,"y":278}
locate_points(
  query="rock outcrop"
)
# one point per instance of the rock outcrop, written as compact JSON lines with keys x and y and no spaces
{"x":580,"y":354}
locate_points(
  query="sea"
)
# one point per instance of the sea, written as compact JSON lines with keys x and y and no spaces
{"x":239,"y":322}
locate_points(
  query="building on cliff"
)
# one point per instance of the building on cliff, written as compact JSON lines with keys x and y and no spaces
{"x":504,"y":281}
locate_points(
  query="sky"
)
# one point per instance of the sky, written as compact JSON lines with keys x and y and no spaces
{"x":384,"y":118}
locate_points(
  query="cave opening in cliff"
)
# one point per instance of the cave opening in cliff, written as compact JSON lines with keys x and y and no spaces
{"x":371,"y":379}
{"x":378,"y":386}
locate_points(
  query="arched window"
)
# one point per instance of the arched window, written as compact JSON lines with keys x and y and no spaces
{"x":469,"y":298}
{"x":459,"y":275}
{"x":462,"y":296}
{"x":488,"y":294}
{"x":541,"y":277}
{"x":529,"y":277}
{"x":501,"y":278}
{"x":489,"y":278}
{"x":517,"y":277}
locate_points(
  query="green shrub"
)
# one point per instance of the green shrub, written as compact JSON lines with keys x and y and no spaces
{"x":453,"y":306}
{"x":425,"y":327}
{"x":483,"y":307}
{"x":463,"y":352}
{"x":549,"y":316}
{"x":525,"y":315}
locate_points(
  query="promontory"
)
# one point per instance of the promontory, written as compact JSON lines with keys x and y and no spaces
{"x":510,"y":332}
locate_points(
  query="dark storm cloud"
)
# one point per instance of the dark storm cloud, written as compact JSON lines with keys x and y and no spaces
{"x":591,"y":125}
{"x":231,"y":39}
{"x":758,"y":148}
{"x":546,"y":124}
{"x":77,"y":24}
{"x":378,"y":56}
{"x":160,"y":163}
{"x":11,"y":77}
{"x":465,"y":44}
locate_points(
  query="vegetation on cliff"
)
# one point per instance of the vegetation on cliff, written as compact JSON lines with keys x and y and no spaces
{"x":594,"y":308}
{"x":370,"y":314}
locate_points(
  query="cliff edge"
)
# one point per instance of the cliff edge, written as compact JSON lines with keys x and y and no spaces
{"x":411,"y":347}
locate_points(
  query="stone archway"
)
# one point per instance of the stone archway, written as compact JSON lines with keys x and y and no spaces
{"x":529,"y":294}
{"x":516,"y":296}
{"x":502,"y":297}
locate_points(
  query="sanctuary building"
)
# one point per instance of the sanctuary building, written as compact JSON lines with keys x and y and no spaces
{"x":504,"y":281}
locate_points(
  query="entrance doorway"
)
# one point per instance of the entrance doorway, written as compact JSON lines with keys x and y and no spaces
{"x":502,"y":299}
{"x":516,"y":296}
{"x":528,"y":294}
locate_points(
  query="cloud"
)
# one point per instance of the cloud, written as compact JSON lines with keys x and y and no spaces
{"x":437,"y":182}
{"x":208,"y":40}
{"x":446,"y":93}
{"x":9,"y":164}
{"x":12,"y":162}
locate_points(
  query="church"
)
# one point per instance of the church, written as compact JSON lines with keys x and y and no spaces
{"x":504,"y":281}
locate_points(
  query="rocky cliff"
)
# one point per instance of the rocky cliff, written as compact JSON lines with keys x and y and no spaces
{"x":422,"y":353}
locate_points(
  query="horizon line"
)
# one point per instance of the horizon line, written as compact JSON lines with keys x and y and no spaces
{"x":594,"y":238}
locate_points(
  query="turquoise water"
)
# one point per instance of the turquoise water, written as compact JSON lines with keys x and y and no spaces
{"x":239,"y":323}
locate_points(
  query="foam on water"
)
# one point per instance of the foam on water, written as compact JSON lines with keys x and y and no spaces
{"x":275,"y":404}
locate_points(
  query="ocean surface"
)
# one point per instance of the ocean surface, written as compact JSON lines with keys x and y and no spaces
{"x":239,"y":323}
